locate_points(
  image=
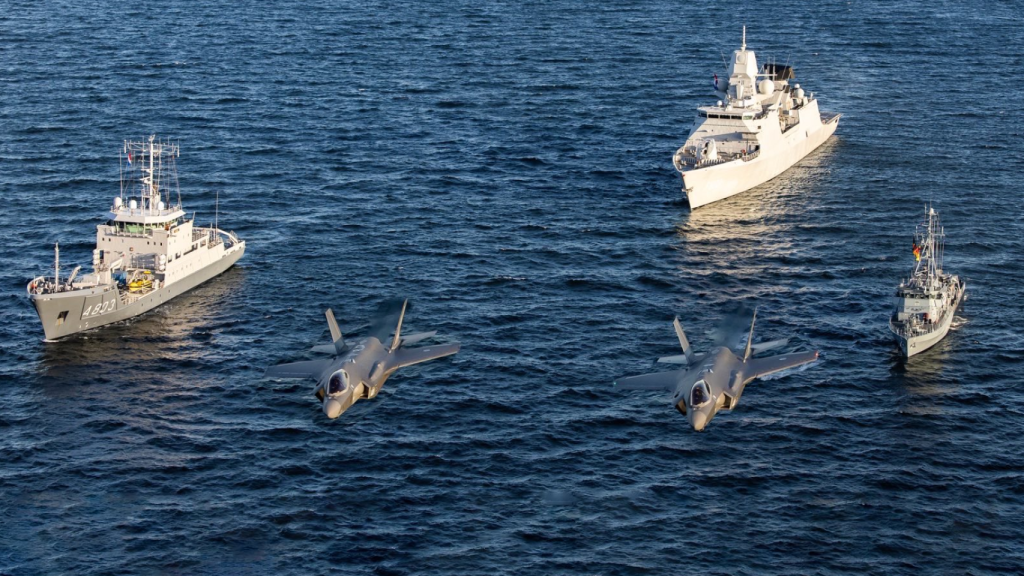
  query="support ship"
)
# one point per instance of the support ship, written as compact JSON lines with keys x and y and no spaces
{"x":147,"y":252}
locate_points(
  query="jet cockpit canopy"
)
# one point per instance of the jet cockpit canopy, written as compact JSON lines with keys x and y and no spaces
{"x":338,"y":383}
{"x":699,"y":394}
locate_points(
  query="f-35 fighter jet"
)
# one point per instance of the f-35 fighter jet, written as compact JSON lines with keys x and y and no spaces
{"x":359,"y":370}
{"x":715,"y":380}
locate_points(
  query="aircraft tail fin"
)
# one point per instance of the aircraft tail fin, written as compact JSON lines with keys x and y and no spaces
{"x":336,"y":337}
{"x":397,"y":340}
{"x":683,"y":342}
{"x":750,"y":338}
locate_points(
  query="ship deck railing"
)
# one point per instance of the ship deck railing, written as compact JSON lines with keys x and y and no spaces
{"x":909,"y":330}
{"x":129,"y":296}
{"x":689,"y":161}
{"x":827,"y":117}
{"x":42,"y":285}
{"x":213,"y":235}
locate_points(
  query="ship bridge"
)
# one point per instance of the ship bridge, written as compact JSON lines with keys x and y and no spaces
{"x":147,"y":216}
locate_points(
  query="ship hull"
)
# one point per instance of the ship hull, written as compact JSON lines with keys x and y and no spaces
{"x":95,"y":307}
{"x":706,"y":185}
{"x":913,"y":345}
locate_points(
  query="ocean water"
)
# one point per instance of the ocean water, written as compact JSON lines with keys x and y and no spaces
{"x":507,"y":167}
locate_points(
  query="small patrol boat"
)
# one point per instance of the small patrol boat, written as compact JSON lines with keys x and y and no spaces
{"x":147,"y":251}
{"x":763,"y":127}
{"x":927,"y":301}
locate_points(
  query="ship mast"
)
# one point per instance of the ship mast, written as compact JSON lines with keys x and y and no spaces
{"x":931,"y":248}
{"x":153,"y":192}
{"x":152,"y":180}
{"x":147,"y":178}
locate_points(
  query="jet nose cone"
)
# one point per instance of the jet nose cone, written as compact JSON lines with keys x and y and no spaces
{"x":332,"y":408}
{"x":700,"y":420}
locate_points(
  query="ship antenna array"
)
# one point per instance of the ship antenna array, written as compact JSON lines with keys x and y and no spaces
{"x":126,"y":171}
{"x":177,"y":186}
{"x":120,"y":167}
{"x":154,"y":184}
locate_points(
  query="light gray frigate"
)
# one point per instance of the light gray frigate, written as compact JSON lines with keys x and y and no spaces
{"x":760,"y":128}
{"x":714,"y":381}
{"x":148,"y":251}
{"x":358,"y":369}
{"x":926,"y":302}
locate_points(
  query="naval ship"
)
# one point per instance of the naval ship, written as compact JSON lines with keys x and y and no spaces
{"x":763,"y":127}
{"x":926,"y":303}
{"x":147,"y":252}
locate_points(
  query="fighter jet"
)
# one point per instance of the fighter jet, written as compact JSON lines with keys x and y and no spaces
{"x":715,"y":380}
{"x":358,"y":370}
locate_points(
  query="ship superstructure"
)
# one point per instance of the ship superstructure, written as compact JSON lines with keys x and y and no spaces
{"x":147,"y":251}
{"x":761,"y":127}
{"x":926,"y":302}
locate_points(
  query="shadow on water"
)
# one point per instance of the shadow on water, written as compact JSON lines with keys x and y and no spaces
{"x":788,"y":194}
{"x":922,"y":374}
{"x":722,"y":247}
{"x":921,"y":379}
{"x":171,"y":333}
{"x":921,"y":371}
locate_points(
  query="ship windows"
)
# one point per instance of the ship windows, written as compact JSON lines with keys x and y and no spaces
{"x":62,"y":317}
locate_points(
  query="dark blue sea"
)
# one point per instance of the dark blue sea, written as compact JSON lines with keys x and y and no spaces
{"x":507,"y":166}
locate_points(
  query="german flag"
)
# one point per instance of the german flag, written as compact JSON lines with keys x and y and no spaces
{"x":917,"y":252}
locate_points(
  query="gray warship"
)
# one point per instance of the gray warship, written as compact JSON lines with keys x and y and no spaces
{"x":926,"y":302}
{"x":147,"y":251}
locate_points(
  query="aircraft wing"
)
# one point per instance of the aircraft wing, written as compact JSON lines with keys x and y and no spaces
{"x":682,"y":359}
{"x":408,"y":356}
{"x":414,"y":338}
{"x":307,"y":369}
{"x":655,"y":381}
{"x":763,"y":366}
